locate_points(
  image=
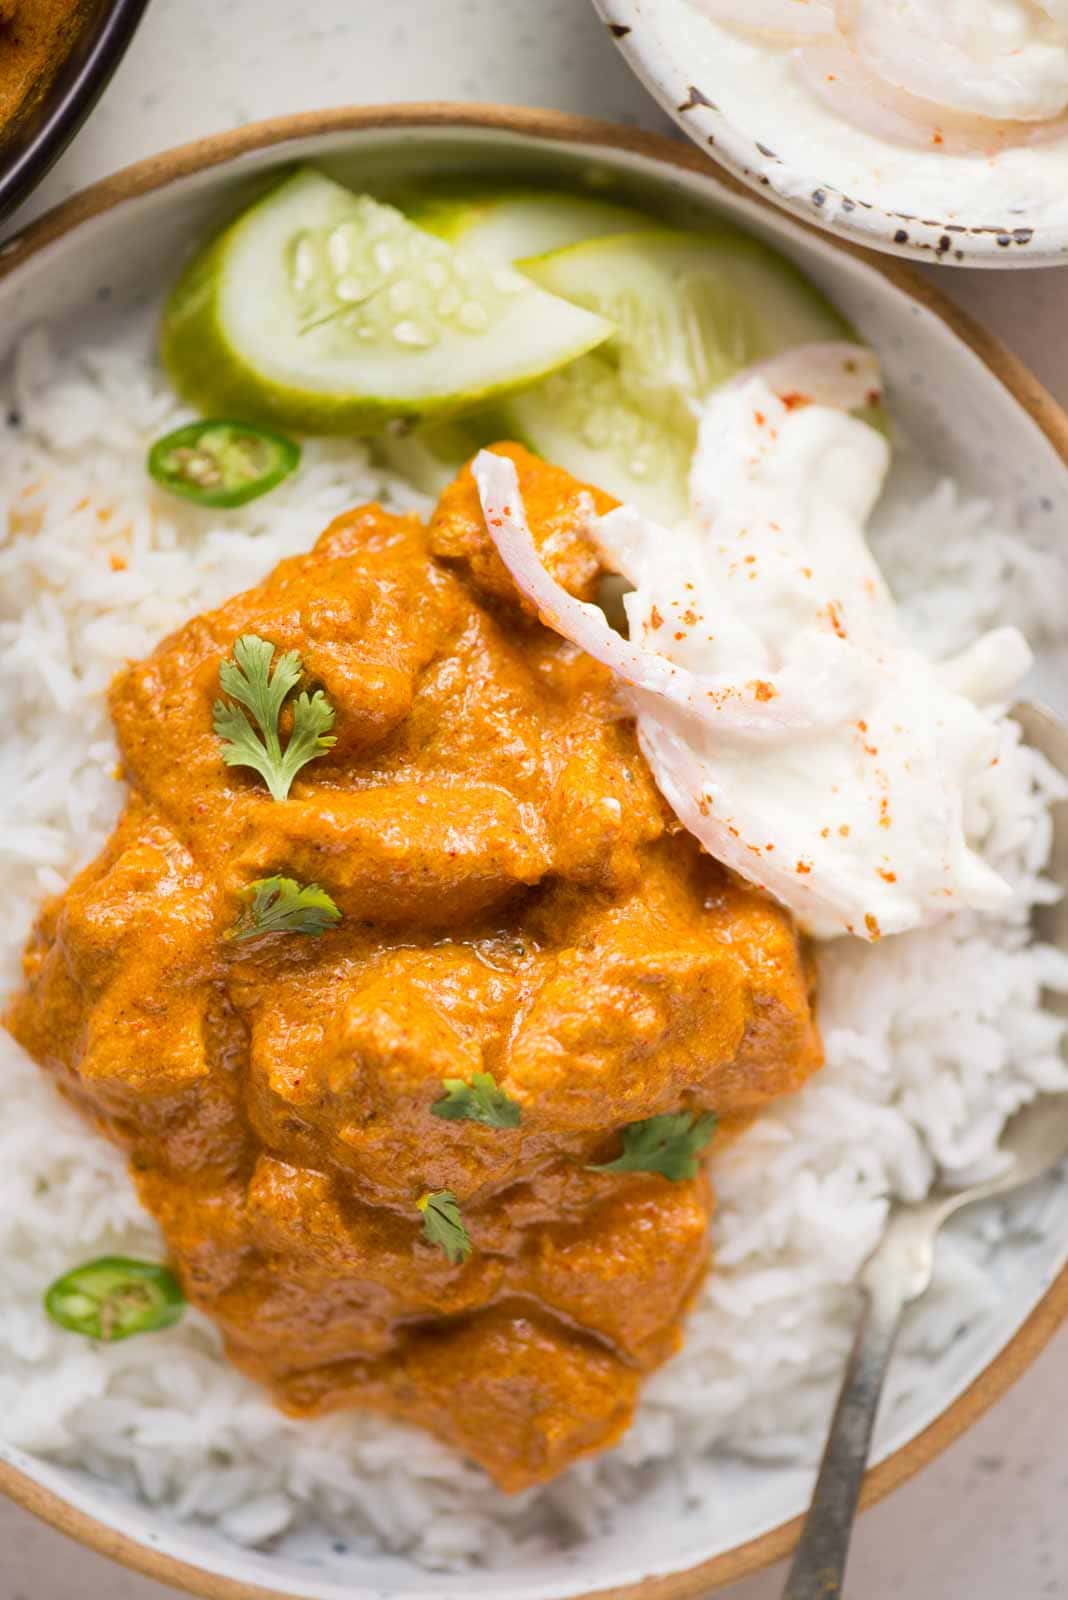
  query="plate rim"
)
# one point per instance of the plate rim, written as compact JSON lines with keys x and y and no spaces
{"x":158,"y":172}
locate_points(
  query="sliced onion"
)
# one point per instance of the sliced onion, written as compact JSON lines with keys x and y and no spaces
{"x":836,"y":373}
{"x":790,"y":21}
{"x":733,"y":710}
{"x":938,"y":62}
{"x":835,"y":75}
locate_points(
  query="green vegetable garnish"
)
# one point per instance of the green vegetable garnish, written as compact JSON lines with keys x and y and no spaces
{"x":248,"y":678}
{"x":281,"y":905}
{"x":220,"y":463}
{"x":670,"y":1145}
{"x":477,"y":1101}
{"x":443,"y":1225}
{"x":115,"y":1297}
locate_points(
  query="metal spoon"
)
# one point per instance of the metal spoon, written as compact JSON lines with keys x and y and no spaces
{"x":901,"y":1268}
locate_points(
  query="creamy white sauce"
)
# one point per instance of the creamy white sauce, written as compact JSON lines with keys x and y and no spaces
{"x":786,"y":717}
{"x":754,"y":85}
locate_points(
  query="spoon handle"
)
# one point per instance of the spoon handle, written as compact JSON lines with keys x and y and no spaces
{"x":818,"y":1569}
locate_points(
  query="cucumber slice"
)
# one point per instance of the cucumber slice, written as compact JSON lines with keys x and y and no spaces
{"x":691,"y":309}
{"x":583,"y":418}
{"x":323,"y":311}
{"x":506,"y":225}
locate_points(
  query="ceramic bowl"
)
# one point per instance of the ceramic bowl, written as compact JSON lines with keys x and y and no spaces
{"x":738,"y":100}
{"x":44,"y":127}
{"x":980,"y":416}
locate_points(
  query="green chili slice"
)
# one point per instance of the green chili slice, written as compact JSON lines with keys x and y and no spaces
{"x":222,"y":463}
{"x":115,"y":1297}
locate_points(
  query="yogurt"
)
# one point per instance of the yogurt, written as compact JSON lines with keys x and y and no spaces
{"x":784,"y":713}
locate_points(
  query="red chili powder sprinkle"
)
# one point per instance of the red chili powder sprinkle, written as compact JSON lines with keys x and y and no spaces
{"x":655,"y":619}
{"x":763,"y":690}
{"x":825,"y":833}
{"x":803,"y":867}
{"x":888,"y":877}
{"x":679,"y":635}
{"x":872,"y":926}
{"x":844,"y":830}
{"x":836,"y":621}
{"x":116,"y":562}
{"x":760,"y":418}
{"x":793,"y":402}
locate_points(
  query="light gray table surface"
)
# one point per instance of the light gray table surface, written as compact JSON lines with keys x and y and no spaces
{"x":989,"y":1521}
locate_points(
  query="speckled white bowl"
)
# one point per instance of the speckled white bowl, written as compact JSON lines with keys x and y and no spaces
{"x":979,"y":415}
{"x":740,"y":103}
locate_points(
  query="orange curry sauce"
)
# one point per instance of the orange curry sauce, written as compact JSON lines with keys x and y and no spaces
{"x":516,"y":899}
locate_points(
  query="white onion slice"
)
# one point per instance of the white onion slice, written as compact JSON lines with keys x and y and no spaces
{"x":790,"y":21}
{"x":947,"y":62}
{"x":735,"y":711}
{"x":835,"y":75}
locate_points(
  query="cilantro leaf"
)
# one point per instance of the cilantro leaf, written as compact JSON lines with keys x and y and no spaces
{"x":477,"y":1101}
{"x":443,"y":1225}
{"x":670,"y":1145}
{"x":281,"y":905}
{"x":247,"y":678}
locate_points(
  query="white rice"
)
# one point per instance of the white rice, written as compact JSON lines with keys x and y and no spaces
{"x":932,"y":1038}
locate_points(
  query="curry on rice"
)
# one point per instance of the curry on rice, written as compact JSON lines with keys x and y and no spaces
{"x":511,"y":898}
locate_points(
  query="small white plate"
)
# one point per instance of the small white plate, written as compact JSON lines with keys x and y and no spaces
{"x":739,"y":101}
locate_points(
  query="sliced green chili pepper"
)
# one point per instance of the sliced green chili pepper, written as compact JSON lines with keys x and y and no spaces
{"x":221,"y":463}
{"x":114,"y":1297}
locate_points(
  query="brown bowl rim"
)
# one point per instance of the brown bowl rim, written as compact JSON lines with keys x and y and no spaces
{"x":157,"y":172}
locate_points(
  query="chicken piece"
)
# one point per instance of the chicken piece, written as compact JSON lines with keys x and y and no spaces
{"x":521,"y":1395}
{"x":558,"y":509}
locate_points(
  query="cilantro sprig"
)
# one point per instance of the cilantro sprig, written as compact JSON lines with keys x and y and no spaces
{"x":282,"y":905}
{"x":247,"y":678}
{"x":670,"y":1144}
{"x":444,"y":1226}
{"x":478,"y":1101}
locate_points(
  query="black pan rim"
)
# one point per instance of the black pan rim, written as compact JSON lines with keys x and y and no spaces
{"x":68,"y":100}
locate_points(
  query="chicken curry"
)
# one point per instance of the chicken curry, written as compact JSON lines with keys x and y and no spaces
{"x":396,"y":1151}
